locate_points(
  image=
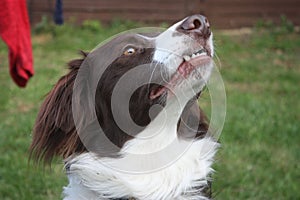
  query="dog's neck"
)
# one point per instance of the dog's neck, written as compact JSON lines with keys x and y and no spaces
{"x":163,"y":167}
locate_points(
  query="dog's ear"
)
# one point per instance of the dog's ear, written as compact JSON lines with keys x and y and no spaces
{"x":54,"y":132}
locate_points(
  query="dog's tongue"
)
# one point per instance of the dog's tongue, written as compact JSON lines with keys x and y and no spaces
{"x":182,"y":72}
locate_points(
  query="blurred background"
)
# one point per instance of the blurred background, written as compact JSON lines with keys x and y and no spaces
{"x":257,"y":52}
{"x":222,"y":13}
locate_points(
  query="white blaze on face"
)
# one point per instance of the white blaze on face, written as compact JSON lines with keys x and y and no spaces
{"x":168,"y":47}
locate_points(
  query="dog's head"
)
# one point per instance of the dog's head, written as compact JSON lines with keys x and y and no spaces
{"x":125,"y":85}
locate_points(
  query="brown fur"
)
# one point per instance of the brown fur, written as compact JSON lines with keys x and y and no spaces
{"x":54,"y":132}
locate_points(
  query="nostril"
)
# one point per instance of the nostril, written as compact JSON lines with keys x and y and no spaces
{"x":197,"y":24}
{"x":191,"y":23}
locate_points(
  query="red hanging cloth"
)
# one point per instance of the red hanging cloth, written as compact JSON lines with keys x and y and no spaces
{"x":15,"y":31}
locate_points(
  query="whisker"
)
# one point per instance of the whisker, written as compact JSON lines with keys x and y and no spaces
{"x":218,"y":63}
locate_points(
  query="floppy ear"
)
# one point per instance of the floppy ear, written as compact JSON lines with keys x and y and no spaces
{"x":54,"y":132}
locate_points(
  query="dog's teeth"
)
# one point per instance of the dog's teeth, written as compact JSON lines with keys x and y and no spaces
{"x":186,"y":58}
{"x":201,"y":51}
{"x":198,"y":53}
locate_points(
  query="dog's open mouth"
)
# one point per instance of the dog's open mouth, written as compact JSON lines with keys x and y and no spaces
{"x":188,"y":65}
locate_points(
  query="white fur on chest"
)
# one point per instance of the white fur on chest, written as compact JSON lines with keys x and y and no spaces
{"x":90,"y":178}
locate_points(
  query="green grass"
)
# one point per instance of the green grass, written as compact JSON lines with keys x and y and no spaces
{"x":260,"y":142}
{"x":259,"y":156}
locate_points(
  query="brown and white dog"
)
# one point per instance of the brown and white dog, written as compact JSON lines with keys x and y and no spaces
{"x":126,"y":119}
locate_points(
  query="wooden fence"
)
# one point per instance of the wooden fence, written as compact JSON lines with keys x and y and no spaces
{"x":221,"y":13}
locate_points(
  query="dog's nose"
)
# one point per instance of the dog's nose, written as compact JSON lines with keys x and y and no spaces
{"x":196,"y":24}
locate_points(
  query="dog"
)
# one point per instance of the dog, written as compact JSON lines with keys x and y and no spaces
{"x":126,"y":119}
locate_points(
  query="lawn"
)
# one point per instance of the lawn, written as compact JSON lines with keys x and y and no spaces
{"x":259,"y":155}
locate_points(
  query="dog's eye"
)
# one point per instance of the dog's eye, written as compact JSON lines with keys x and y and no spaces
{"x":129,"y":51}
